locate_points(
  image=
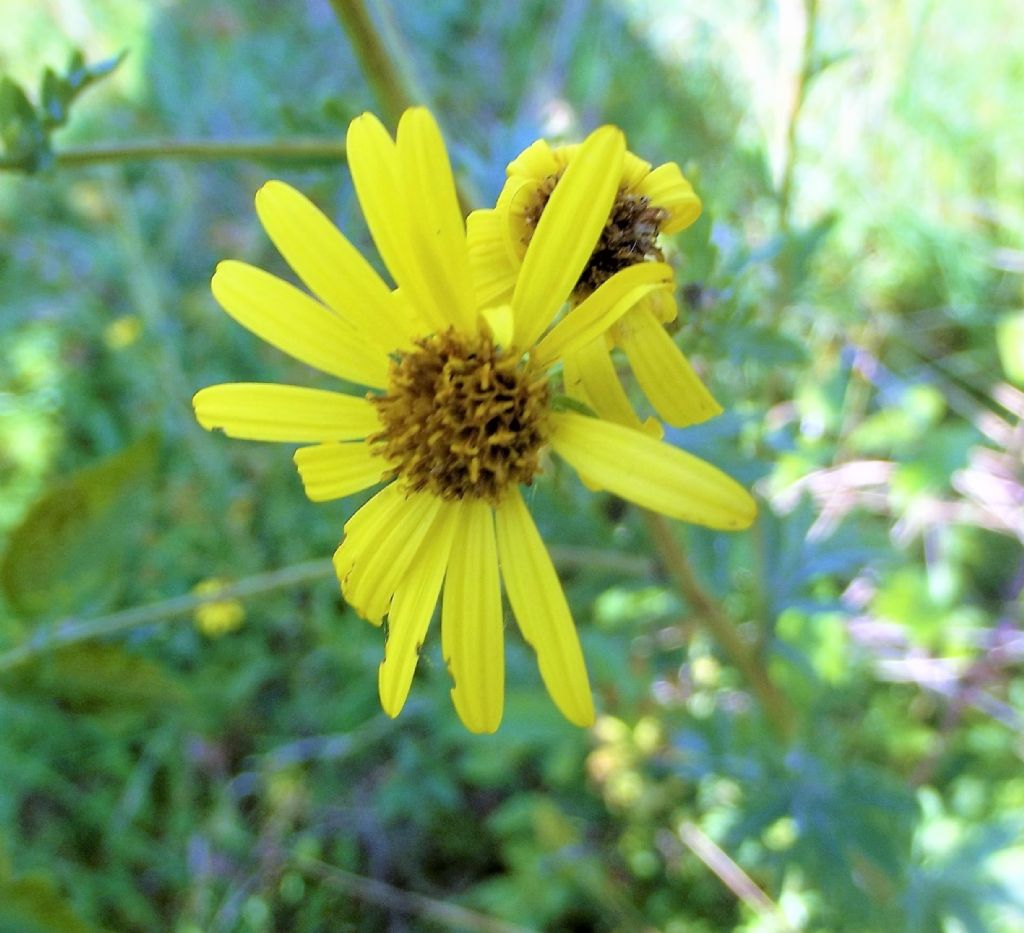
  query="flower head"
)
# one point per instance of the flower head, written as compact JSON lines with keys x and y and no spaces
{"x":459,"y":411}
{"x":648,"y":202}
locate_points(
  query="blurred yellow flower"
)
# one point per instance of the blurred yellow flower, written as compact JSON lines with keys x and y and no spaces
{"x":122,"y":332}
{"x":648,"y":202}
{"x":220,"y":617}
{"x":460,"y":409}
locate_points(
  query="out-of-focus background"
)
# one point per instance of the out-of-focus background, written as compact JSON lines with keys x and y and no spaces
{"x":853,"y":293}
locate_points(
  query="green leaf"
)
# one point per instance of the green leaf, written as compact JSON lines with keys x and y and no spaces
{"x":23,"y":138}
{"x":24,"y":130}
{"x":95,"y":678}
{"x":34,"y":905}
{"x":68,"y":552}
{"x":80,"y":75}
{"x":54,"y":97}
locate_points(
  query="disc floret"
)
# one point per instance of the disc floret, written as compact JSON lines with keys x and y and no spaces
{"x":463,"y":418}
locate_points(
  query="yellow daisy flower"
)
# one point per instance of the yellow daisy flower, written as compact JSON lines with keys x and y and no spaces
{"x":648,"y":202}
{"x":459,"y":411}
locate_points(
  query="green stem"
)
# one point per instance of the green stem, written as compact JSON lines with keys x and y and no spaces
{"x":74,"y":631}
{"x":268,"y":150}
{"x":718,"y":624}
{"x":385,"y":66}
{"x":801,"y":80}
{"x":391,"y":83}
{"x":372,"y":890}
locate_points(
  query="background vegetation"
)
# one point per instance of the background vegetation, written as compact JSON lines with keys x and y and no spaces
{"x":853,"y":293}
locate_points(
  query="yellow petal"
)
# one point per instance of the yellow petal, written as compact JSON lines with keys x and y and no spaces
{"x":471,"y":625}
{"x":259,"y":411}
{"x":650,"y":473}
{"x":634,"y":170}
{"x":411,"y":611}
{"x":664,"y":373}
{"x":366,"y":527}
{"x":666,"y":187}
{"x":499,"y":322}
{"x":439,"y":234}
{"x":331,"y":267}
{"x":568,"y":229}
{"x":494,"y":271}
{"x":593,"y":316}
{"x":590,"y":372}
{"x":377,"y":571}
{"x":541,"y":610}
{"x":333,"y":471}
{"x":516,"y":208}
{"x":377,"y":176}
{"x":537,"y":160}
{"x":662,"y":305}
{"x":293,"y":322}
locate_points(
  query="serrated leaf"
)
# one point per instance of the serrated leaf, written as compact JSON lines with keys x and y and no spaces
{"x":34,"y":905}
{"x":67,"y":553}
{"x":95,"y":678}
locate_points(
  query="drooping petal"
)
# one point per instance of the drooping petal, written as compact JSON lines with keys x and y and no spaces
{"x":259,"y":411}
{"x":494,"y":271}
{"x":333,"y":471}
{"x":332,"y":268}
{"x":537,"y":160}
{"x":296,"y":324}
{"x":594,"y":315}
{"x":566,"y":233}
{"x":589,"y":374}
{"x":412,"y":609}
{"x":541,"y":610}
{"x":376,"y":174}
{"x":376,"y":572}
{"x":634,"y":170}
{"x":650,"y":473}
{"x":664,"y":373}
{"x":472,"y":640}
{"x":666,"y":187}
{"x":439,"y":233}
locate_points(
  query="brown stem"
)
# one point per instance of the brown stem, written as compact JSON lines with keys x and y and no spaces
{"x":718,"y":624}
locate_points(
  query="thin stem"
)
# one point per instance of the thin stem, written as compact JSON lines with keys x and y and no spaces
{"x":386,"y":68}
{"x":264,"y":150}
{"x":801,"y":80}
{"x":391,"y":83}
{"x":74,"y":631}
{"x":730,"y":874}
{"x":449,"y":916}
{"x":718,"y":624}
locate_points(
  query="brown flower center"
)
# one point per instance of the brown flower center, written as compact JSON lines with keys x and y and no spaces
{"x":462,"y":418}
{"x":629,"y":236}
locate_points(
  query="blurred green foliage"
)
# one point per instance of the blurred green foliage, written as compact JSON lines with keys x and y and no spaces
{"x":865,"y":339}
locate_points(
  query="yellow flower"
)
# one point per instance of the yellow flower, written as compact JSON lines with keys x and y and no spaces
{"x":219,"y":617}
{"x":647,"y":203}
{"x":460,"y":410}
